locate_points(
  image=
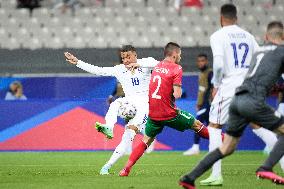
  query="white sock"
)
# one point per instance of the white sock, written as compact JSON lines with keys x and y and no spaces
{"x":111,"y":115}
{"x":270,"y":139}
{"x":215,"y":141}
{"x":267,"y":136}
{"x":281,"y":162}
{"x":195,"y":147}
{"x":128,"y":149}
{"x":126,"y":140}
{"x":151,"y":147}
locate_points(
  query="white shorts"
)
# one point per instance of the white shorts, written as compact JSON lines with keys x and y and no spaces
{"x":219,"y":110}
{"x":140,"y":118}
{"x":142,"y":111}
{"x":281,"y":108}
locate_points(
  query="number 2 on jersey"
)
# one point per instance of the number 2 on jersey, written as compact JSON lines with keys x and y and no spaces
{"x":155,"y":93}
{"x":241,"y":45}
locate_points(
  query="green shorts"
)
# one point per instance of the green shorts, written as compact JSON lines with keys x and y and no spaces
{"x":181,"y":122}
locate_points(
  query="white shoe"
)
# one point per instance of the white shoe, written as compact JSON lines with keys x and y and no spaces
{"x":212,"y":181}
{"x":104,"y":170}
{"x":192,"y":151}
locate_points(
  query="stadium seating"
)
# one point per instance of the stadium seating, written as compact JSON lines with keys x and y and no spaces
{"x":125,"y":21}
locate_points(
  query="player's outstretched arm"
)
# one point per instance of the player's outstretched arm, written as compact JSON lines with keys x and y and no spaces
{"x":102,"y":71}
{"x":71,"y":58}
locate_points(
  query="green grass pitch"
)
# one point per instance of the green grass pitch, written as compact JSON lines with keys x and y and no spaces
{"x":159,"y":170}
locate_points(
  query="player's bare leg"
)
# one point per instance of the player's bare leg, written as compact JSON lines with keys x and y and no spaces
{"x":137,"y":152}
{"x":200,"y":129}
{"x":215,"y":141}
{"x":265,"y":171}
{"x":226,"y":149}
{"x":120,"y":150}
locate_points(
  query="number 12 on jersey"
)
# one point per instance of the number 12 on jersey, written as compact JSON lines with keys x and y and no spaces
{"x":155,"y":93}
{"x":236,"y":52}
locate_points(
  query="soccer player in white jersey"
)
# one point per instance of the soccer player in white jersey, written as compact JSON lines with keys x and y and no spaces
{"x":123,"y":108}
{"x":232,"y":49}
{"x":135,"y":84}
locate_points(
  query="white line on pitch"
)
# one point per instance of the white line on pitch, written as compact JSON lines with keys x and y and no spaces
{"x":143,"y":164}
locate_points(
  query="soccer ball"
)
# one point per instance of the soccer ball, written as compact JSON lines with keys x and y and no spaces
{"x":127,"y":111}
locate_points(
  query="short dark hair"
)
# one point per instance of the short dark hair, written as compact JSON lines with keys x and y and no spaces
{"x":275,"y":29}
{"x":229,"y":11}
{"x":202,"y":55}
{"x":170,"y":47}
{"x":126,"y":48}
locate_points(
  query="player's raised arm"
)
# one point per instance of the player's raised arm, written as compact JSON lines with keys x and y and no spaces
{"x":71,"y":58}
{"x":102,"y":71}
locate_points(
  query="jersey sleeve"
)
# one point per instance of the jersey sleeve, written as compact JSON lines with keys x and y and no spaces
{"x":218,"y":65}
{"x":102,"y":71}
{"x":255,"y":45}
{"x":216,"y":44}
{"x":177,"y":76}
{"x":217,"y":48}
{"x":147,"y":62}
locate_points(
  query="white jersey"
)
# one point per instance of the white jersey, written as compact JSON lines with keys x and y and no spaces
{"x":235,"y":47}
{"x":134,"y":83}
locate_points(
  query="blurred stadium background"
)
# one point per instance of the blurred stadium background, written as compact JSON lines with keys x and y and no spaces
{"x":63,"y":101}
